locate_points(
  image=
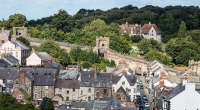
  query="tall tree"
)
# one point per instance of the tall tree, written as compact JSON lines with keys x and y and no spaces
{"x":182,"y":30}
{"x":46,"y":104}
{"x":17,"y":20}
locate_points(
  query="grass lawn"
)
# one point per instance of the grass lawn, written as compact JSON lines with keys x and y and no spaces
{"x":134,"y":44}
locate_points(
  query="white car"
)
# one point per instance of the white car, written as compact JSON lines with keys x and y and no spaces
{"x":146,"y":105}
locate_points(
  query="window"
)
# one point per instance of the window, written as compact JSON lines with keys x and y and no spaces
{"x":2,"y":41}
{"x":16,"y":54}
{"x":27,"y":89}
{"x":4,"y":81}
{"x":89,"y":90}
{"x":16,"y":82}
{"x":73,"y":90}
{"x":123,"y":82}
{"x":46,"y":87}
{"x":4,"y":88}
{"x":134,"y":90}
{"x":20,"y":96}
{"x":35,"y":87}
{"x":89,"y":97}
{"x":73,"y":96}
{"x":67,"y":98}
{"x":67,"y":92}
{"x":129,"y":90}
{"x":35,"y":95}
{"x":60,"y":89}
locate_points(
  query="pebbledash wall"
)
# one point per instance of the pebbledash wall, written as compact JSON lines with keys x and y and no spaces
{"x":103,"y":44}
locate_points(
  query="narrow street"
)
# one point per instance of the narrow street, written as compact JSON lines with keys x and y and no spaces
{"x":144,"y":91}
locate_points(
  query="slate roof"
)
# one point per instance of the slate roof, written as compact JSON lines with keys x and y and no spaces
{"x":68,"y":74}
{"x":122,"y":90}
{"x":39,"y":71}
{"x":11,"y":59}
{"x":175,"y":91}
{"x":53,"y":65}
{"x":43,"y":55}
{"x":3,"y":63}
{"x":63,"y":83}
{"x":20,"y":44}
{"x":7,"y":32}
{"x":115,"y":79}
{"x":9,"y":73}
{"x":44,"y":80}
{"x":132,"y":79}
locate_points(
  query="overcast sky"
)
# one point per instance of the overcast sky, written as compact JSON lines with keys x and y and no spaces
{"x":36,"y":9}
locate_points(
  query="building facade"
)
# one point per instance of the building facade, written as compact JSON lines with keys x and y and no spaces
{"x":151,"y":31}
{"x":17,"y":49}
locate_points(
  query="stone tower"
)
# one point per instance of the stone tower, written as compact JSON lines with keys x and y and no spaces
{"x":102,"y":45}
{"x":19,"y":31}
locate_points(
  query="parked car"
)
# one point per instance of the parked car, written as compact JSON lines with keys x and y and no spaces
{"x":139,"y":100}
{"x":141,"y":107}
{"x":144,"y":96}
{"x":141,"y":87}
{"x":140,"y":82}
{"x":145,"y":101}
{"x":147,"y":108}
{"x":146,"y":105}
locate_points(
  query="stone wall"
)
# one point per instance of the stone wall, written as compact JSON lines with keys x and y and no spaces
{"x":132,"y":62}
{"x":67,"y":46}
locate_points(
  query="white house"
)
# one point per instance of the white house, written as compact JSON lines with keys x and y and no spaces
{"x":39,"y":59}
{"x":182,"y":97}
{"x":128,"y":82}
{"x":151,"y":31}
{"x":17,"y":49}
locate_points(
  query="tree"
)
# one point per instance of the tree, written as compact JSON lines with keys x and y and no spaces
{"x":182,"y":50}
{"x":46,"y":104}
{"x":182,"y":30}
{"x":156,"y":55}
{"x":145,"y":45}
{"x":17,"y":20}
{"x":86,"y":64}
{"x":50,"y":47}
{"x":6,"y":100}
{"x":24,"y":40}
{"x":135,"y":38}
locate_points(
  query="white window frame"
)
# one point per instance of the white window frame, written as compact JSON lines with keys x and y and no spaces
{"x":20,"y":96}
{"x":73,"y":97}
{"x":46,"y":87}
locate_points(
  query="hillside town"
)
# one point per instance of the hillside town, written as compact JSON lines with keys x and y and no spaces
{"x":134,"y":84}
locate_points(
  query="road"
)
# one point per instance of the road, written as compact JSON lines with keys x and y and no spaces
{"x":143,"y":91}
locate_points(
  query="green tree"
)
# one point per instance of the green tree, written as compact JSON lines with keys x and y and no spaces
{"x":136,"y":38}
{"x":46,"y":104}
{"x":182,"y":30}
{"x":63,"y":57}
{"x":86,"y":64}
{"x":145,"y":45}
{"x":17,"y":20}
{"x":50,"y":47}
{"x":6,"y":100}
{"x":156,"y":55}
{"x":24,"y":40}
